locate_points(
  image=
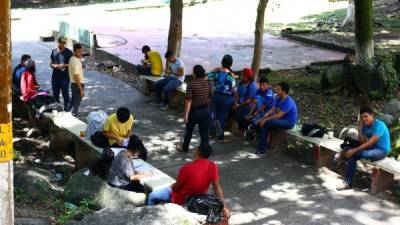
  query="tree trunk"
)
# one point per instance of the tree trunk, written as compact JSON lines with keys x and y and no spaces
{"x":349,"y":19}
{"x":6,"y":143}
{"x":258,"y":37}
{"x":364,"y":31}
{"x":175,"y":26}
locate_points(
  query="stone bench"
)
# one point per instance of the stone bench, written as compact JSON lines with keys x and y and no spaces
{"x":147,"y":85}
{"x":88,"y":154}
{"x":325,"y":148}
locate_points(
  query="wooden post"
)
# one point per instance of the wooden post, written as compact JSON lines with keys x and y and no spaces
{"x":258,"y":37}
{"x":6,"y":148}
{"x":175,"y":26}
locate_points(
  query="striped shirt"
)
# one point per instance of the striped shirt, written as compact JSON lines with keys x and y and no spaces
{"x":199,"y":91}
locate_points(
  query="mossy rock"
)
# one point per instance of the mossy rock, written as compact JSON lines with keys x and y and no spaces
{"x":332,"y":76}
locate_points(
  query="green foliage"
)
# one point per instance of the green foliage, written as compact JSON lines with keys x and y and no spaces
{"x":20,"y":195}
{"x":17,"y":155}
{"x":384,"y":68}
{"x":70,"y":211}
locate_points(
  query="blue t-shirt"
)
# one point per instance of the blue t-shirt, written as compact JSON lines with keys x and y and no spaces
{"x":288,"y":106}
{"x":16,"y":76}
{"x":379,"y":129}
{"x":265,"y":98}
{"x":247,"y":91}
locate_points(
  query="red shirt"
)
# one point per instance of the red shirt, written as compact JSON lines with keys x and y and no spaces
{"x":196,"y":178}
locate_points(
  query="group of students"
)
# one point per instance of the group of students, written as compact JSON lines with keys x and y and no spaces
{"x":213,"y":95}
{"x":257,"y":108}
{"x":67,"y":73}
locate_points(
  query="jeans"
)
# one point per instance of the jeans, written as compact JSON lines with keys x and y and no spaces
{"x":166,"y":86}
{"x":373,"y":154}
{"x":222,"y":105}
{"x":268,"y":126}
{"x":240,"y":116}
{"x":160,"y":195}
{"x":143,"y":70}
{"x":75,"y":100}
{"x":201,"y":117}
{"x":63,"y":85}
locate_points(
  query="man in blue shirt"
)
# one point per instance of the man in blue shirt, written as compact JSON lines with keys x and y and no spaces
{"x":282,"y":115}
{"x":59,"y":60}
{"x":374,"y":138}
{"x":174,"y":77}
{"x":263,"y":101}
{"x":243,"y":98}
{"x":17,"y":73}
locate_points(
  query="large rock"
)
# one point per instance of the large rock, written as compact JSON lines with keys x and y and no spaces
{"x":332,"y":76}
{"x":81,"y":187}
{"x":168,"y":214}
{"x":350,"y":132}
{"x":387,"y":119}
{"x":392,"y":107}
{"x":37,"y":183}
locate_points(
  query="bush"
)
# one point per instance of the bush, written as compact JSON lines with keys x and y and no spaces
{"x":384,"y":68}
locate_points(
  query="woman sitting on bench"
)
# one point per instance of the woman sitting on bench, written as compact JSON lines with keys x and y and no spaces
{"x":30,"y":88}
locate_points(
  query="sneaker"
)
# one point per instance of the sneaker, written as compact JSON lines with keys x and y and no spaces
{"x":344,"y":187}
{"x":179,"y":148}
{"x":164,"y":107}
{"x":259,"y":152}
{"x":156,"y":103}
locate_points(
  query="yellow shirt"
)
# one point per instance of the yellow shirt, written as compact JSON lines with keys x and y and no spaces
{"x":114,"y":126}
{"x":75,"y":67}
{"x":156,"y":63}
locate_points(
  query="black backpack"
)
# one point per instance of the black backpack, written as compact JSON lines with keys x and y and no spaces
{"x":349,"y":143}
{"x":206,"y":204}
{"x":99,"y":139}
{"x":312,"y":130}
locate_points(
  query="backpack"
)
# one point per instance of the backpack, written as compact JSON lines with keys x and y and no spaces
{"x":99,"y":139}
{"x":221,"y":84}
{"x":312,"y":130}
{"x":349,"y":143}
{"x":206,"y":204}
{"x":96,"y":121}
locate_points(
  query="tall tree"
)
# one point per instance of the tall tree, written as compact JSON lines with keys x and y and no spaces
{"x":349,"y":19}
{"x":175,"y":26}
{"x":259,"y":37}
{"x":6,"y":148}
{"x":364,"y":30}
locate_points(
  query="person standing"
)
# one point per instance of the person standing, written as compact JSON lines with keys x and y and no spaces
{"x":174,"y":77}
{"x":197,"y":108}
{"x":59,"y":60}
{"x":224,"y":91}
{"x":76,"y":76}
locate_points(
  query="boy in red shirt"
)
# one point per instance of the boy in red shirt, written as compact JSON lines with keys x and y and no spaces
{"x":193,"y":179}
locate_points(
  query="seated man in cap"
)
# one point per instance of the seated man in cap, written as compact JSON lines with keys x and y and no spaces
{"x":246,"y":91}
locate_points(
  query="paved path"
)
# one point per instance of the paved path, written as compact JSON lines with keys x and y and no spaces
{"x":273,"y":189}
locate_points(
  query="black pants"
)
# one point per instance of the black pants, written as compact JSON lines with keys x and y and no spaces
{"x":75,"y":100}
{"x":201,"y":117}
{"x":134,"y":186}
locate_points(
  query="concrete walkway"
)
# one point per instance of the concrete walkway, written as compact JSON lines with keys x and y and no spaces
{"x":273,"y":189}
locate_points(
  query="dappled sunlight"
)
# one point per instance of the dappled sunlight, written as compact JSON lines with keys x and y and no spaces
{"x":251,"y":217}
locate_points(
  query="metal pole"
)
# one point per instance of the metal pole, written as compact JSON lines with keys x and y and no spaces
{"x":6,"y":148}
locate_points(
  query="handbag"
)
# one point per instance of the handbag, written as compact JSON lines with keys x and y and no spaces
{"x":206,"y":204}
{"x":312,"y":130}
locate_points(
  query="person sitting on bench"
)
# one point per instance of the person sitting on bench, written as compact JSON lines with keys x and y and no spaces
{"x":243,"y":98}
{"x":374,"y":139}
{"x":262,"y":103}
{"x":29,"y":85}
{"x":174,"y":77}
{"x":193,"y":179}
{"x":151,"y":64}
{"x":17,"y":73}
{"x":122,"y":173}
{"x":282,"y":116}
{"x":118,"y":127}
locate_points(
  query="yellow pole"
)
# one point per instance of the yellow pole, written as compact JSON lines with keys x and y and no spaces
{"x":6,"y":148}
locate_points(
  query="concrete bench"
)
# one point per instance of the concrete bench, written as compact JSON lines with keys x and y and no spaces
{"x":84,"y":149}
{"x":147,"y":84}
{"x":325,"y":148}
